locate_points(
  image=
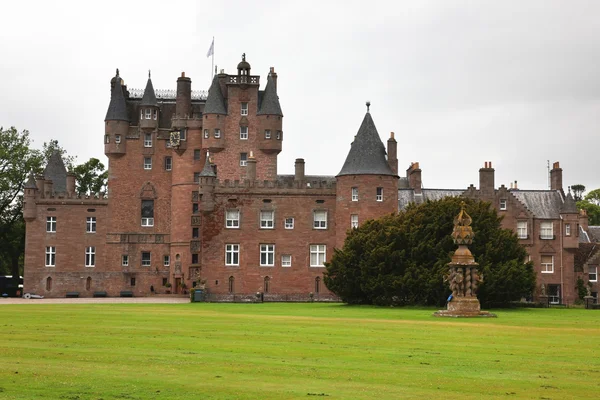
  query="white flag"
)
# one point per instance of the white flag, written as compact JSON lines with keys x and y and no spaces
{"x":211,"y":50}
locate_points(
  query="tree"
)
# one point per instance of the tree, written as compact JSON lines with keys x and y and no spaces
{"x":90,"y":177}
{"x":578,"y":191}
{"x":592,"y":210}
{"x":593,"y":197}
{"x":402,"y":259}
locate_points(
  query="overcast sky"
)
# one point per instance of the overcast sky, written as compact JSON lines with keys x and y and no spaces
{"x":459,"y":82}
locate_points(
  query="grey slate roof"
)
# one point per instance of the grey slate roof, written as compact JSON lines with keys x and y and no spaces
{"x":569,"y":205}
{"x":56,"y":172}
{"x":367,"y":154}
{"x":149,"y":98}
{"x":117,"y":110}
{"x":545,"y":204}
{"x":594,"y":232}
{"x":270,"y":101}
{"x":215,"y":103}
{"x":583,"y":236}
{"x":407,"y":196}
{"x":208,"y":169}
{"x":30,"y":184}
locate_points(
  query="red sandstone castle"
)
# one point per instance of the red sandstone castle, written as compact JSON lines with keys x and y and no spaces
{"x":195,"y":198}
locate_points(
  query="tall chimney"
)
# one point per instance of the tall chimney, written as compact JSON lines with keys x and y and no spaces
{"x":413,"y":173}
{"x":71,"y":184}
{"x":392,"y":150}
{"x":486,"y":179}
{"x":251,"y":168}
{"x":183,"y":102}
{"x":299,"y":168}
{"x":274,"y":77}
{"x":556,"y":177}
{"x":583,"y":220}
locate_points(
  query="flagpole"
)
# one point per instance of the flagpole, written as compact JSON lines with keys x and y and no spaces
{"x":212,"y":67}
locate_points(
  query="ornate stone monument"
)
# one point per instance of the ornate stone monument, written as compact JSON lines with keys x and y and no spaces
{"x":463,"y":276}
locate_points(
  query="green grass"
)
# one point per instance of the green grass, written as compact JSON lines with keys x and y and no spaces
{"x":293,"y":351}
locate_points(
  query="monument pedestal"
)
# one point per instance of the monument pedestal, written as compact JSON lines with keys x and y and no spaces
{"x":461,"y":307}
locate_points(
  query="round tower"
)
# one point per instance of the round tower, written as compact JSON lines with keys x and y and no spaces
{"x":116,"y":123}
{"x":366,"y":187}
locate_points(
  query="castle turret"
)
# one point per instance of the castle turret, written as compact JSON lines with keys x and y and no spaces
{"x":30,"y":190}
{"x":366,"y":187}
{"x":207,"y":185}
{"x":116,"y":123}
{"x":270,"y":135}
{"x":149,"y":107}
{"x":569,"y":215}
{"x":214,"y":113}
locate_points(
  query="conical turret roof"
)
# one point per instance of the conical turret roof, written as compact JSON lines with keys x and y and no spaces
{"x":215,"y":103}
{"x":270,"y":100}
{"x":208,"y":169}
{"x":30,"y":184}
{"x":367,"y":154}
{"x":569,"y":206}
{"x":149,"y":98}
{"x":56,"y":172}
{"x":117,"y":109}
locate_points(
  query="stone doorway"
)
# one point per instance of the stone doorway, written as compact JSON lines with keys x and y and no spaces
{"x":177,"y":285}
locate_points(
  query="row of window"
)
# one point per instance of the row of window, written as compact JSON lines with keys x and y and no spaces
{"x":547,"y":264}
{"x":90,"y":256}
{"x":149,"y":113}
{"x":243,"y":133}
{"x":378,"y":194}
{"x":318,"y":253}
{"x":267,"y":219}
{"x":546,"y":230}
{"x":90,"y":224}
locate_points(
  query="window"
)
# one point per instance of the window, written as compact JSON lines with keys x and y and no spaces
{"x":243,"y":132}
{"x":147,"y":140}
{"x":51,"y":224}
{"x":164,"y":281}
{"x":196,"y":177}
{"x":547,"y":264}
{"x":132,"y":281}
{"x":546,"y":230}
{"x":278,"y":135}
{"x":195,"y":233}
{"x":148,"y":113}
{"x":232,"y":218}
{"x":379,"y":194}
{"x":167,"y":261}
{"x":317,"y":255}
{"x":354,"y":221}
{"x":146,"y":259}
{"x":593,"y":274}
{"x":317,"y":285}
{"x":182,"y":134}
{"x":147,"y":162}
{"x":117,"y":139}
{"x":90,"y":225}
{"x":206,"y":134}
{"x":90,"y":256}
{"x":266,"y":219}
{"x":554,"y":294}
{"x":125,"y":260}
{"x":231,"y":285}
{"x":567,"y":229}
{"x":168,"y":163}
{"x":267,"y":255}
{"x":243,"y":159}
{"x":147,"y":212}
{"x":503,"y":204}
{"x":168,"y":144}
{"x":267,"y":134}
{"x":195,"y":208}
{"x":155,"y":114}
{"x":217,"y":133}
{"x":354,"y":194}
{"x":320,"y":219}
{"x":51,"y":256}
{"x":267,"y":284}
{"x":286,"y":260}
{"x":289,"y":223}
{"x":196,"y":154}
{"x":106,"y":139}
{"x":195,"y":258}
{"x":522,"y":229}
{"x":244,"y":108}
{"x":232,"y":254}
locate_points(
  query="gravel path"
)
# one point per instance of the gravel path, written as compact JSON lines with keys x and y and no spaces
{"x":107,"y":300}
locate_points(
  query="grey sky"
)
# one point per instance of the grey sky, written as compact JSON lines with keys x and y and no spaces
{"x":459,"y":82}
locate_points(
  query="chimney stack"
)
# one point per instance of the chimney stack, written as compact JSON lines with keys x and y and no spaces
{"x":274,"y":77}
{"x":183,"y":102}
{"x":413,"y":173}
{"x":486,"y":179}
{"x":556,"y":177}
{"x":392,"y":150}
{"x":299,"y":167}
{"x":71,"y":184}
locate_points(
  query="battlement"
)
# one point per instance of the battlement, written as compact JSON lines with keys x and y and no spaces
{"x":95,"y":198}
{"x":283,"y":182}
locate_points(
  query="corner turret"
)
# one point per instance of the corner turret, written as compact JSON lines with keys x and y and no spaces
{"x":149,"y":107}
{"x":269,"y":114}
{"x":116,"y":123}
{"x":30,"y":190}
{"x":215,"y":112}
{"x":207,"y":185}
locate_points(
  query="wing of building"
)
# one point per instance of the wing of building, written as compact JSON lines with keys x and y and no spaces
{"x":195,"y":198}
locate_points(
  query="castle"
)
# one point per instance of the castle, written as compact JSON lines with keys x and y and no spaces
{"x":195,"y":199}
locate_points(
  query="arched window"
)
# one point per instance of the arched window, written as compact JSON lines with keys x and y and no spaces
{"x":267,"y":284}
{"x":231,"y":284}
{"x":48,"y":283}
{"x":88,"y":283}
{"x":317,"y":284}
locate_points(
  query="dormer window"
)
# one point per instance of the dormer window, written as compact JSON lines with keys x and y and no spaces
{"x":244,"y":108}
{"x":148,"y":113}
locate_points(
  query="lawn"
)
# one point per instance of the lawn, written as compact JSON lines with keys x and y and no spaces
{"x":293,"y":351}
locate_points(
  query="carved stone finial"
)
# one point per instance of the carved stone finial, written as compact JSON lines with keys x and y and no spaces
{"x":148,"y":74}
{"x":243,"y":56}
{"x":463,"y":233}
{"x":368,"y":105}
{"x":117,"y":71}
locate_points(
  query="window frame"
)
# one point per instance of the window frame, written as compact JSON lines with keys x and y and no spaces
{"x":147,"y":163}
{"x":168,"y":163}
{"x":288,"y":223}
{"x":354,"y":193}
{"x":50,"y":258}
{"x":379,"y":194}
{"x":244,"y":133}
{"x":319,"y":223}
{"x":232,"y":223}
{"x":147,"y":221}
{"x":117,"y":139}
{"x":267,"y":134}
{"x":147,"y":140}
{"x":316,"y":250}
{"x":146,"y":261}
{"x":232,"y":254}
{"x":595,"y":273}
{"x":147,"y":113}
{"x":544,"y":230}
{"x":206,"y":134}
{"x":284,"y":263}
{"x":267,"y":223}
{"x":567,"y":229}
{"x":166,"y":260}
{"x":243,"y":159}
{"x":244,"y":110}
{"x":521,"y":230}
{"x":51,"y":224}
{"x":354,"y":221}
{"x":90,"y":224}
{"x":90,"y":256}
{"x":503,"y":205}
{"x":124,"y":260}
{"x":217,"y":133}
{"x":267,"y":255}
{"x":547,"y":268}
